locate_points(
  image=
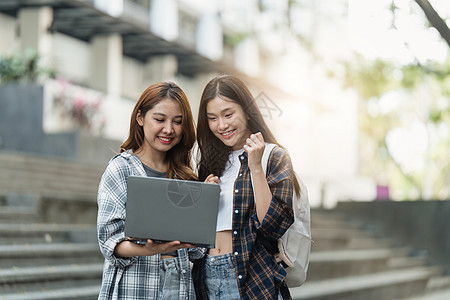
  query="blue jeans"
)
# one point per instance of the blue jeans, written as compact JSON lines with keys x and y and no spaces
{"x":169,"y":284}
{"x":221,"y":280}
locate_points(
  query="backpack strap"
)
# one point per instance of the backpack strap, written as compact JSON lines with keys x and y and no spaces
{"x":271,"y":248}
{"x":265,"y":158}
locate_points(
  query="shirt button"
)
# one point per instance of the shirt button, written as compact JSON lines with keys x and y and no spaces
{"x":236,"y":191}
{"x":236,"y":211}
{"x":236,"y":253}
{"x":240,"y":276}
{"x":183,"y":271}
{"x":212,"y":259}
{"x":240,"y":175}
{"x":241,"y":157}
{"x":234,"y":232}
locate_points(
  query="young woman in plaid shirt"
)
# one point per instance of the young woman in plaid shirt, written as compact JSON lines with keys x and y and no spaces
{"x":231,"y":136}
{"x":159,"y":145}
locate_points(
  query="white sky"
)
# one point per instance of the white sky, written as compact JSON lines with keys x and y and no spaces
{"x":370,"y":33}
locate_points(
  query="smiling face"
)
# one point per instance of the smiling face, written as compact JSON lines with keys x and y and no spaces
{"x":228,"y":122}
{"x":162,"y":126}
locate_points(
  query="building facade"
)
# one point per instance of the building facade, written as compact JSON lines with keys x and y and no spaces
{"x":105,"y":53}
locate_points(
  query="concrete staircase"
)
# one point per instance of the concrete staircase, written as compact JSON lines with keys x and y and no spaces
{"x":48,"y":245}
{"x":349,"y":260}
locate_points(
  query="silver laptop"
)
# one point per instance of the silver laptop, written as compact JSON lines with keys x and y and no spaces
{"x":164,"y":209}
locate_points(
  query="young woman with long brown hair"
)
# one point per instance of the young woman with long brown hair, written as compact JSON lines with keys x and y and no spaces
{"x":159,"y":145}
{"x":231,"y":136}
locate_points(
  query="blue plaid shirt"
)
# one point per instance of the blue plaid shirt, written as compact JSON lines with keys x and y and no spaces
{"x":135,"y":277}
{"x":259,"y":276}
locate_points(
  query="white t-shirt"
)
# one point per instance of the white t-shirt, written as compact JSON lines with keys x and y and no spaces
{"x":230,"y":173}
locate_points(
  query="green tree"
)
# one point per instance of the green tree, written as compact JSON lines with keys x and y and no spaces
{"x":435,"y":19}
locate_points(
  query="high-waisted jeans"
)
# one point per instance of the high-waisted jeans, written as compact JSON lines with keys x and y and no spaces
{"x":169,"y":284}
{"x":221,"y":280}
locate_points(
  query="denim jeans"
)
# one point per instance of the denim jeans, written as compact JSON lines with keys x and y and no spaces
{"x":221,"y":280}
{"x":169,"y":285}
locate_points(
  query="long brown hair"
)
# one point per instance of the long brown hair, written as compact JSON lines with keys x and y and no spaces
{"x":179,"y":156}
{"x":213,"y":153}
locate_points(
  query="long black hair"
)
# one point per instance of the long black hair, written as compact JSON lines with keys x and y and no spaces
{"x":213,"y":153}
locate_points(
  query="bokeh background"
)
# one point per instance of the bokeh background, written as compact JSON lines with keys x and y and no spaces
{"x":358,"y":91}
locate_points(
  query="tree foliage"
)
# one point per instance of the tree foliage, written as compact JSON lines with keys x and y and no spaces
{"x":423,"y":93}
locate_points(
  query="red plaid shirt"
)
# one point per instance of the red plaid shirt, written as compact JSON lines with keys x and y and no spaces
{"x":259,"y":276}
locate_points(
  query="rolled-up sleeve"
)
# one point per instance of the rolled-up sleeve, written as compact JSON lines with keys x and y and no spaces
{"x":279,"y":216}
{"x":111,"y":201}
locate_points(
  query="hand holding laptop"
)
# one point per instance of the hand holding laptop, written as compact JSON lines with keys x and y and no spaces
{"x":148,"y":247}
{"x":165,"y":247}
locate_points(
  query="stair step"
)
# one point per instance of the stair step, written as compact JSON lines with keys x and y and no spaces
{"x":321,"y":222}
{"x":41,"y":233}
{"x":15,"y":256}
{"x":44,"y":164}
{"x":48,"y":278}
{"x":382,"y":285}
{"x":43,"y":227}
{"x":340,"y":243}
{"x":52,"y":250}
{"x":438,"y":283}
{"x":47,"y":184}
{"x":328,"y":215}
{"x":18,"y":173}
{"x":76,"y":293}
{"x":436,"y":295}
{"x":369,"y":243}
{"x":24,"y":214}
{"x":359,"y":255}
{"x":406,"y":262}
{"x":57,"y":272}
{"x":334,"y":264}
{"x":332,"y":233}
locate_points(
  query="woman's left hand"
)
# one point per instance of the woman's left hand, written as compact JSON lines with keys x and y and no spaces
{"x":254,"y":146}
{"x":212,"y":179}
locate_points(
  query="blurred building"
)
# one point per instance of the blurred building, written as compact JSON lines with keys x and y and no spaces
{"x":106,"y":53}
